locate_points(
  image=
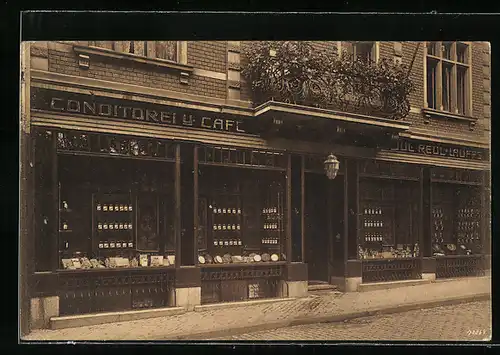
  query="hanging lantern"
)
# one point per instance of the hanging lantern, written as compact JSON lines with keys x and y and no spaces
{"x":331,"y":166}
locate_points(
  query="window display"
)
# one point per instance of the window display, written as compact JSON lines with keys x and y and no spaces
{"x":113,"y":211}
{"x":243,"y":218}
{"x":456,"y":222}
{"x":388,"y":225}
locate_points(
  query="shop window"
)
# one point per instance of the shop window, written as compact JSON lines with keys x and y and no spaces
{"x":448,"y":77}
{"x":389,"y":211}
{"x":457,"y":212}
{"x":115,"y":201}
{"x":240,"y":210}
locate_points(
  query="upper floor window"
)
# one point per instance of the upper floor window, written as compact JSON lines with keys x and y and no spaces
{"x":364,"y":51}
{"x":167,"y":50}
{"x":448,"y":77}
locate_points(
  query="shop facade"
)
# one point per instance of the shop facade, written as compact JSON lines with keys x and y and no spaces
{"x":141,"y":201}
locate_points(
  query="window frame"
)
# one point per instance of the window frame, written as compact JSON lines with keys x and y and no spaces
{"x":181,"y":49}
{"x":375,"y":49}
{"x":441,"y":61}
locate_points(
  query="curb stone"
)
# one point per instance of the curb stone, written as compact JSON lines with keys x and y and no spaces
{"x":213,"y":335}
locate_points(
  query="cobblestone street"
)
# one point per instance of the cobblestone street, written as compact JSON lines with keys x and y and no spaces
{"x":463,"y":322}
{"x":187,"y":325}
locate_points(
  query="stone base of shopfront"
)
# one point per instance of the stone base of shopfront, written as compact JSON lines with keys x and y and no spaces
{"x":294,"y":289}
{"x":346,"y":284}
{"x":296,"y":281}
{"x":187,"y":297}
{"x":42,"y":309}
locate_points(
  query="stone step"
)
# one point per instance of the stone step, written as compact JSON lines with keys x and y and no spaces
{"x":374,"y":286}
{"x":112,"y":317}
{"x":322,"y":287}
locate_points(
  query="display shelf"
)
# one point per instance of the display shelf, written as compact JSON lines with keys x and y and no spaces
{"x":235,"y":265}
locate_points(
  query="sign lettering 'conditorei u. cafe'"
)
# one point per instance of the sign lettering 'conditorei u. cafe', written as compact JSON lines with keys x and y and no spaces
{"x":81,"y":104}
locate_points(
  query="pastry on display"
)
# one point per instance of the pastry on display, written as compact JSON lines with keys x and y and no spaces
{"x":226,"y":258}
{"x":236,"y":259}
{"x":156,"y":260}
{"x":66,"y":263}
{"x":143,"y":260}
{"x":201,"y":259}
{"x":171,"y":259}
{"x":257,"y":258}
{"x":266,"y":257}
{"x":134,"y":262}
{"x":218,"y":259}
{"x":76,"y":263}
{"x":85,"y":263}
{"x":274,"y":257}
{"x":208,"y":259}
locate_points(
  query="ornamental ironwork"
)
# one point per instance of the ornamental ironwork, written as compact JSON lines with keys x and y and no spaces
{"x":114,"y":145}
{"x":460,"y":266}
{"x":88,"y":292}
{"x":239,"y":284}
{"x":294,"y":72}
{"x":391,"y":270}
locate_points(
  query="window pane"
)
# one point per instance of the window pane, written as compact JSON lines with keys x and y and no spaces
{"x":104,"y":44}
{"x":364,"y":51}
{"x":124,"y":46}
{"x":462,"y":53}
{"x":461,"y":90}
{"x":139,"y":47}
{"x":166,"y":50}
{"x":431,"y":48}
{"x":447,"y":50}
{"x":446,"y":87}
{"x":431,"y":83}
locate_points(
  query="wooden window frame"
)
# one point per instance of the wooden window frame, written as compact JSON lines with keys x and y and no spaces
{"x":181,"y":51}
{"x":439,"y":58}
{"x":375,"y":49}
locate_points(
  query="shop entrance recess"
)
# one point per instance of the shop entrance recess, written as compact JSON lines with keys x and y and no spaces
{"x":323,"y":219}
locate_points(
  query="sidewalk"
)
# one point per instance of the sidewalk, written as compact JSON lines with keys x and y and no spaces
{"x":331,"y":306}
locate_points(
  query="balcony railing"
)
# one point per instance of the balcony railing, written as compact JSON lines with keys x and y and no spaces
{"x":294,"y":72}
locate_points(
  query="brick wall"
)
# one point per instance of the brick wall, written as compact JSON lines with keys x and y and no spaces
{"x":208,"y":55}
{"x":65,"y":62}
{"x":212,"y":56}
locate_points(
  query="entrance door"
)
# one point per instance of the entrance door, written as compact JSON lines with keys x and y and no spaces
{"x":324,"y":224}
{"x":317,"y":232}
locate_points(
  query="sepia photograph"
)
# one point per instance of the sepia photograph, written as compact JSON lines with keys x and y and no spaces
{"x":226,"y":191}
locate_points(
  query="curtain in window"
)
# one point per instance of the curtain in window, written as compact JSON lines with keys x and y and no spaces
{"x":166,"y":50}
{"x":103,"y":44}
{"x":124,"y":46}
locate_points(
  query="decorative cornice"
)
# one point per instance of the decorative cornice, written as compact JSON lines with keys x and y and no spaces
{"x":430,"y":113}
{"x":39,"y":52}
{"x":234,"y":84}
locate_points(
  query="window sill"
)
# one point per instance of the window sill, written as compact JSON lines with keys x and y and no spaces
{"x":431,"y":113}
{"x":103,"y":52}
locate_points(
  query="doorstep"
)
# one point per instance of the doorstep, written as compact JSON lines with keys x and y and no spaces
{"x":112,"y":317}
{"x":323,"y":287}
{"x":226,"y":305}
{"x":374,"y":286}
